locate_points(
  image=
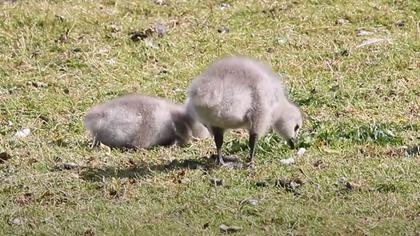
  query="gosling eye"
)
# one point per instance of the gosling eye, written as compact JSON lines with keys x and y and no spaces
{"x":296,"y":128}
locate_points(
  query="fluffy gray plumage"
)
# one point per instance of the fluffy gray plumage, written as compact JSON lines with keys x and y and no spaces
{"x":137,"y":121}
{"x":239,"y":92}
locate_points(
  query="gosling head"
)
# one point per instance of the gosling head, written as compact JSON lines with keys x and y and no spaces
{"x":199,"y":131}
{"x":288,"y":124}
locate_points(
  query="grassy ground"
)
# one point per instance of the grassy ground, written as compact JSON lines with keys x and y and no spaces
{"x":361,"y":104}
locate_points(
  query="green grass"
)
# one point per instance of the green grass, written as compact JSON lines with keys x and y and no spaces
{"x":361,"y":109}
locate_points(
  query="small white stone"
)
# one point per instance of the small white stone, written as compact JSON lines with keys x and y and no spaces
{"x":342,"y":180}
{"x":23,"y":133}
{"x":281,"y":40}
{"x":224,"y":6}
{"x":103,"y":51}
{"x":341,"y":21}
{"x":252,"y":202}
{"x":390,"y":133}
{"x":17,"y":221}
{"x":160,"y":2}
{"x":301,"y":151}
{"x":363,"y":33}
{"x":229,"y":229}
{"x":110,"y":62}
{"x":294,"y":185}
{"x":287,"y":161}
{"x":150,"y":44}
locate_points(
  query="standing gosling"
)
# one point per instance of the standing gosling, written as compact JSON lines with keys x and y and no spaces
{"x":137,"y":121}
{"x":239,"y":92}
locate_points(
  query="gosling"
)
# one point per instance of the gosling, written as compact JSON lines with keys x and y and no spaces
{"x":240,"y":92}
{"x":137,"y":121}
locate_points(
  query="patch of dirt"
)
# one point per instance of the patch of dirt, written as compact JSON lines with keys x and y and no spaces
{"x":216,"y":182}
{"x":291,"y":185}
{"x":89,"y":232}
{"x":24,"y":198}
{"x":141,"y":35}
{"x":261,"y":184}
{"x":320,"y":164}
{"x":4,"y":156}
{"x":66,"y":166}
{"x":414,"y":150}
{"x":180,"y":177}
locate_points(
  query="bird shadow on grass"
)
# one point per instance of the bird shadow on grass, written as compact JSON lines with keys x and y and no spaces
{"x":144,"y":170}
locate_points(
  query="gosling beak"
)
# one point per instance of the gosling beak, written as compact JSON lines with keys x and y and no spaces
{"x":291,"y":142}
